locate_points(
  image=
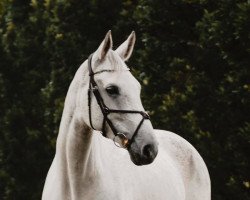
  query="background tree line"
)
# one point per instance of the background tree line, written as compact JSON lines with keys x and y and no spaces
{"x":191,"y":56}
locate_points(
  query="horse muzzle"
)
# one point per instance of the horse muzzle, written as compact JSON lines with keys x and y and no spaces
{"x":143,"y":156}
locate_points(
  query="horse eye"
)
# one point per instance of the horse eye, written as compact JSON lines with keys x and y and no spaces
{"x":112,"y":90}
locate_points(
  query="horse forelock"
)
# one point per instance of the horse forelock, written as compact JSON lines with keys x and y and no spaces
{"x":112,"y":61}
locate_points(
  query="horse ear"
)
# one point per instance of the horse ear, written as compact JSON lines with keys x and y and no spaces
{"x":126,"y":48}
{"x":105,"y":46}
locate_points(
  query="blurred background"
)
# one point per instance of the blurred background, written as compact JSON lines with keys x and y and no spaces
{"x":192,"y":58}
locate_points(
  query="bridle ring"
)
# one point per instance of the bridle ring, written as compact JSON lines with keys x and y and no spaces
{"x":120,"y":140}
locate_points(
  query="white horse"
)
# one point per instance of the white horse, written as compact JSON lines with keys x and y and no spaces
{"x":156,"y":165}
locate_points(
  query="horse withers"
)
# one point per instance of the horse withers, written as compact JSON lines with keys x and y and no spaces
{"x":104,"y":100}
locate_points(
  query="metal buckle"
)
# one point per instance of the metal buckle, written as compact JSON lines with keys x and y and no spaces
{"x":121,"y":141}
{"x":106,"y":110}
{"x":145,"y":115}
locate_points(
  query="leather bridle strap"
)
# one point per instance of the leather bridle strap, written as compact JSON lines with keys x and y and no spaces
{"x":93,"y":87}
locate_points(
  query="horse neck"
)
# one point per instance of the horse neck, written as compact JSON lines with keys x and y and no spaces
{"x":75,"y":150}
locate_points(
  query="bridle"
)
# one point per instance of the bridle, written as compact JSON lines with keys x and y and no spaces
{"x":93,"y":87}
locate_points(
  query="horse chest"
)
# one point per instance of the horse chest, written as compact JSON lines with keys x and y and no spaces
{"x":160,"y":185}
{"x":141,"y":187}
{"x":124,"y":181}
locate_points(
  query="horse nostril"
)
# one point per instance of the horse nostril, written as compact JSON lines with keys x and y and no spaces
{"x":148,"y":151}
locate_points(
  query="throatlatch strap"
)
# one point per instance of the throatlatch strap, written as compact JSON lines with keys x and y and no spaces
{"x":89,"y":90}
{"x":89,"y":105}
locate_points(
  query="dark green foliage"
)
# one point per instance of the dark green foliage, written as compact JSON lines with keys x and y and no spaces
{"x":192,"y":58}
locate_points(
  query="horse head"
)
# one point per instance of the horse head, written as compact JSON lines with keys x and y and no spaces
{"x":114,"y":103}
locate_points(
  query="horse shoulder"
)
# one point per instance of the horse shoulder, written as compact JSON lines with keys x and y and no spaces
{"x":191,"y":165}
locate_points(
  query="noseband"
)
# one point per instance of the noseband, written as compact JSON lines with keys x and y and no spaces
{"x":93,"y":87}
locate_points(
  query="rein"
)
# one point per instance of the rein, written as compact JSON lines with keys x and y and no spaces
{"x":93,"y":87}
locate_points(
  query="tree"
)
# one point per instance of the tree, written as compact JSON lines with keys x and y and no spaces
{"x":195,"y":58}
